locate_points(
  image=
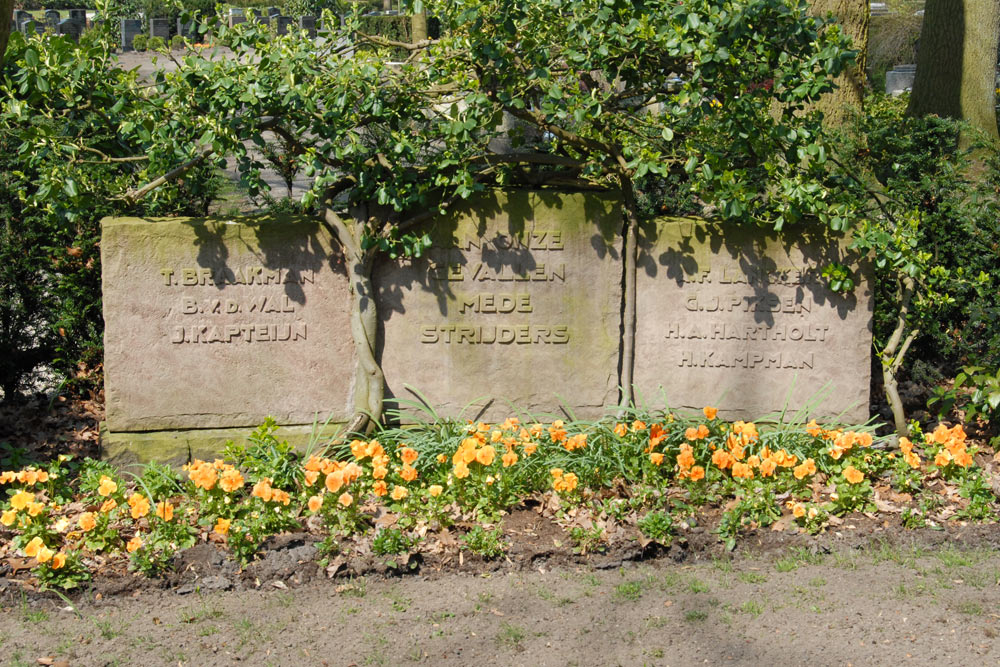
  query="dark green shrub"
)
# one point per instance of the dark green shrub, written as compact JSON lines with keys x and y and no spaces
{"x":157,"y":44}
{"x":177,"y":42}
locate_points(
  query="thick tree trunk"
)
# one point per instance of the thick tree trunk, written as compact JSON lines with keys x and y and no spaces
{"x":418,"y":32}
{"x":6,"y":16}
{"x":956,"y":62}
{"x":853,"y":17}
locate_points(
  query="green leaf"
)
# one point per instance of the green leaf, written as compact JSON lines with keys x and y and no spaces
{"x":31,"y":58}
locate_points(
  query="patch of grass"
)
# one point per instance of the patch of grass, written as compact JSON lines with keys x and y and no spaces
{"x":655,"y":622}
{"x":510,"y":635}
{"x":698,"y":586}
{"x":108,"y":629}
{"x":953,"y":557}
{"x":201,"y":613}
{"x":399,"y":603}
{"x":970,"y":608}
{"x":752,"y":607}
{"x":752,"y":577}
{"x":379,"y":644}
{"x":208,"y":631}
{"x":786,"y":564}
{"x":722,"y":564}
{"x":441,"y":616}
{"x":630,"y":591}
{"x":817,"y":582}
{"x":845,"y":561}
{"x":695,"y":615}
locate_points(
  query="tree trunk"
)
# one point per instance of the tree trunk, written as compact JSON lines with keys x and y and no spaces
{"x":369,"y":381}
{"x":628,"y":294}
{"x":956,"y":62}
{"x":418,"y":31}
{"x":853,"y":17}
{"x":6,"y":19}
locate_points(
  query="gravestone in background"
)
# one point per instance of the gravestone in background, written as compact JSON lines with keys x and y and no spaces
{"x":213,"y":324}
{"x":129,"y":29}
{"x":900,"y":79}
{"x":80,"y":16}
{"x":742,"y":318}
{"x":70,"y":28}
{"x":518,"y":299}
{"x":236,"y":16}
{"x":160,"y":28}
{"x":308,"y":23}
{"x":273,"y":12}
{"x":52,"y":17}
{"x":283,"y":24}
{"x":259,"y":14}
{"x":21,"y":18}
{"x":188,"y":30}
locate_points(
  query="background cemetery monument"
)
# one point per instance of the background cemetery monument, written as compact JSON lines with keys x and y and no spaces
{"x":212,"y":325}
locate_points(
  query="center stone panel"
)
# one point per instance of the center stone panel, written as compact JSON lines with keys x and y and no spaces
{"x":518,"y":300}
{"x":742,"y":319}
{"x":213,"y":323}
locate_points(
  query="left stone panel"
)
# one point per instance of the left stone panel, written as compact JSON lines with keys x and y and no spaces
{"x":213,"y":324}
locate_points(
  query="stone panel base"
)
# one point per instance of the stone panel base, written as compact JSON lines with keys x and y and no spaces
{"x":176,"y":448}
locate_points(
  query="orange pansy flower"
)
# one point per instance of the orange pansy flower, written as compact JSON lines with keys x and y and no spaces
{"x":87,"y":521}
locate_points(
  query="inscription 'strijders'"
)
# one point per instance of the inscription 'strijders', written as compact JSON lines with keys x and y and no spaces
{"x":501,"y":258}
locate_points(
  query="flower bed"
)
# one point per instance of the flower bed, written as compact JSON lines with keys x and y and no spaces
{"x":645,"y":478}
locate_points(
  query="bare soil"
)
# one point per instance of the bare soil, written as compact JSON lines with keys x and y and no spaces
{"x":860,"y":597}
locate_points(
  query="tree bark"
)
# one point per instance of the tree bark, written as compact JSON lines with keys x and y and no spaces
{"x":6,"y":19}
{"x":853,"y":16}
{"x":418,"y":27}
{"x":956,"y":62}
{"x":628,"y":293}
{"x":369,"y":381}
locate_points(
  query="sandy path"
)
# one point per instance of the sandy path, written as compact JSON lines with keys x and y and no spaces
{"x":884,"y":606}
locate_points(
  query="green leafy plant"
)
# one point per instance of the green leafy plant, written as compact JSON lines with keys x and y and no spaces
{"x":140,"y":43}
{"x":657,"y":526}
{"x":485,"y":542}
{"x":157,"y":43}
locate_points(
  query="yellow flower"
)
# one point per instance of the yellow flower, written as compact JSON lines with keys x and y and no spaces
{"x":656,"y":458}
{"x":441,"y":458}
{"x":21,"y":499}
{"x":620,"y":430}
{"x":798,"y":511}
{"x":460,"y":470}
{"x":87,"y":522}
{"x":408,"y":473}
{"x":398,"y":493}
{"x":509,"y":459}
{"x":107,"y":486}
{"x":34,"y":509}
{"x":315,"y":502}
{"x":44,"y":555}
{"x":8,"y":517}
{"x":165,"y":510}
{"x":109,"y":505}
{"x":32,"y":547}
{"x":380,"y":488}
{"x":139,"y":505}
{"x":710,"y":413}
{"x":408,"y":455}
{"x":133,"y":544}
{"x":486,"y":455}
{"x":853,"y":475}
{"x":345,"y":499}
{"x":435,"y":490}
{"x":231,"y":480}
{"x":58,"y":560}
{"x":222,"y":526}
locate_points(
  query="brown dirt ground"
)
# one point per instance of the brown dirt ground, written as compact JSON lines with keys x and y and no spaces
{"x":868,"y":594}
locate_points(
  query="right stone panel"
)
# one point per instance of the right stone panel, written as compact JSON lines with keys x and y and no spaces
{"x":742,"y":319}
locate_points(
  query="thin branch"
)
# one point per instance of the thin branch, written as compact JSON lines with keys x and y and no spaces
{"x":133,"y":196}
{"x":382,"y":41}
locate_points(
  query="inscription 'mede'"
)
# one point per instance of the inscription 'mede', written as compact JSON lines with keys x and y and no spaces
{"x":742,"y":319}
{"x":216,"y":323}
{"x":521,"y":303}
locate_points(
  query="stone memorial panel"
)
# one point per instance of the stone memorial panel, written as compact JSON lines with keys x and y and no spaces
{"x":743,"y":320}
{"x":900,"y":79}
{"x":79,"y":15}
{"x":129,"y":29}
{"x":70,"y":28}
{"x":518,"y":300}
{"x":283,"y":24}
{"x":308,"y":23}
{"x":160,"y":28}
{"x":211,"y":323}
{"x":52,"y":17}
{"x":236,"y":16}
